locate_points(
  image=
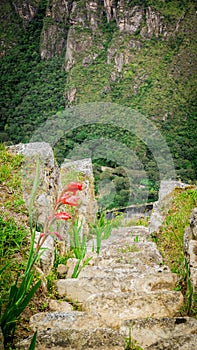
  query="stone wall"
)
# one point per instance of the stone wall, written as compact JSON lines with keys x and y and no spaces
{"x":160,"y":208}
{"x":51,"y":182}
{"x":190,"y":245}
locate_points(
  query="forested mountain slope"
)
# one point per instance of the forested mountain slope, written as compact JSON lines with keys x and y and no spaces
{"x":140,"y":54}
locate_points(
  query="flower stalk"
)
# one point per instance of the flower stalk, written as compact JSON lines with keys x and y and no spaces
{"x":24,"y":288}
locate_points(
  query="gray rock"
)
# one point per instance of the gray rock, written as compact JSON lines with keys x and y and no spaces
{"x":129,"y":19}
{"x":156,"y":333}
{"x":116,"y":307}
{"x":190,"y":246}
{"x":78,"y":339}
{"x":82,"y":288}
{"x":166,"y":188}
{"x":47,"y":256}
{"x":154,"y":24}
{"x":160,"y":208}
{"x":62,"y":270}
{"x":182,"y":342}
{"x":62,"y":320}
{"x":58,"y":305}
{"x":193,"y":223}
{"x":192,"y":253}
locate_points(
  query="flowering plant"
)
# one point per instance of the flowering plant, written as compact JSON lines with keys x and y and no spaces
{"x":67,"y":197}
{"x":24,"y":288}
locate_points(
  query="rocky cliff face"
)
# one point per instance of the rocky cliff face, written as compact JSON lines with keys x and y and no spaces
{"x":26,"y":9}
{"x":84,"y":30}
{"x":75,"y":25}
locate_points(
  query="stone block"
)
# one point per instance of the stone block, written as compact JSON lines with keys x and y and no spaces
{"x":153,"y":333}
{"x":116,"y":307}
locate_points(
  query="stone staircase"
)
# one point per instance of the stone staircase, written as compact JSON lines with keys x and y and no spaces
{"x":125,"y":292}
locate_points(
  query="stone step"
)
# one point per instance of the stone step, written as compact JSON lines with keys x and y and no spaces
{"x":120,"y":270}
{"x":83,"y":287}
{"x":116,"y":307}
{"x":134,"y":233}
{"x":162,"y":333}
{"x":84,"y":331}
{"x":126,"y":251}
{"x":73,"y":330}
{"x":125,"y":290}
{"x":183,"y":342}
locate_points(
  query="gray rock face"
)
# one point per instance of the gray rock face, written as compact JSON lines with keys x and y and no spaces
{"x":181,"y":342}
{"x":26,"y":9}
{"x":154,"y":24}
{"x":161,"y":333}
{"x":76,"y":27}
{"x":160,"y":207}
{"x":53,"y":38}
{"x":190,"y":245}
{"x":73,"y":330}
{"x":193,"y":224}
{"x":129,"y":19}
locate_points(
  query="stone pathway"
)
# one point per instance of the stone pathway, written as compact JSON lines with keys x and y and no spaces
{"x":125,"y":290}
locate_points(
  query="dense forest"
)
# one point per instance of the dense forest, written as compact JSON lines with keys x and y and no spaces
{"x":54,"y":58}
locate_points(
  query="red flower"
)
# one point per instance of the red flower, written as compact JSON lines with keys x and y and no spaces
{"x":70,"y":200}
{"x":62,"y":215}
{"x":74,"y":187}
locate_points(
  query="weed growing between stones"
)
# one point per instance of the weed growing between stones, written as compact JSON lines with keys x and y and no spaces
{"x":129,"y":249}
{"x":78,"y":244}
{"x":102,"y":230}
{"x":131,"y":344}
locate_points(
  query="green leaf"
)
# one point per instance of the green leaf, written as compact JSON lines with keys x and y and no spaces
{"x":33,"y":342}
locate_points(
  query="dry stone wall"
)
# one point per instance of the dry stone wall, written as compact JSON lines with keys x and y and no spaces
{"x":160,"y":208}
{"x":51,"y":182}
{"x":190,"y":244}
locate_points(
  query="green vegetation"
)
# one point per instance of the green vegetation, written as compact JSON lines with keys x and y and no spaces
{"x":142,"y":221}
{"x":17,"y":261}
{"x":14,"y":238}
{"x":131,"y":344}
{"x":157,"y":77}
{"x":14,"y":270}
{"x":32,"y":89}
{"x":13,"y":232}
{"x":129,"y":249}
{"x":170,"y":240}
{"x":78,"y":246}
{"x":102,"y":230}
